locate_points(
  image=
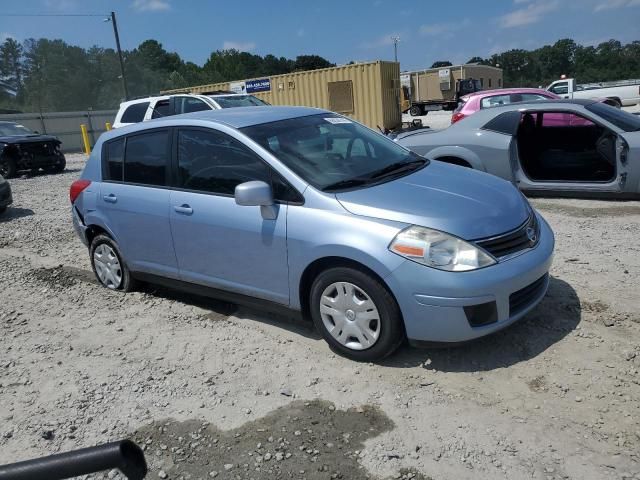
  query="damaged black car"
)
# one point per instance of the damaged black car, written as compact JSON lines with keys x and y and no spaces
{"x":21,"y":149}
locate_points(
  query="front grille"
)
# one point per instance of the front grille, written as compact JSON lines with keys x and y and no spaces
{"x":521,"y":299}
{"x":523,"y":237}
{"x":38,"y":148}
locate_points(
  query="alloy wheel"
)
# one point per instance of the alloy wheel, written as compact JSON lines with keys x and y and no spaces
{"x":350,"y":315}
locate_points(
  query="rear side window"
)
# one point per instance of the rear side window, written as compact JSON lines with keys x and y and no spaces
{"x":114,"y":156}
{"x":506,"y":123}
{"x":135,"y":113}
{"x":146,"y":158}
{"x":161,"y":109}
{"x":495,"y":101}
{"x":213,"y":162}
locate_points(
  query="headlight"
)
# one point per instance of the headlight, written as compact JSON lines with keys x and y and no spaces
{"x":439,"y":250}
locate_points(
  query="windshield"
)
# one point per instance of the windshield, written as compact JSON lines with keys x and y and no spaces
{"x":14,"y":129}
{"x":621,"y":119}
{"x":239,"y":101}
{"x":329,"y":151}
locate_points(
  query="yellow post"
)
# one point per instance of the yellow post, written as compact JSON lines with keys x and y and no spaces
{"x":85,"y":139}
{"x":107,"y":126}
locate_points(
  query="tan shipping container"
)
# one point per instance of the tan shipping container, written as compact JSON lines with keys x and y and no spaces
{"x":367,"y":92}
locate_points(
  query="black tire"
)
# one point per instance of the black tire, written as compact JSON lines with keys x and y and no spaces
{"x":127,"y":282}
{"x":415,"y":111}
{"x":391,"y":332}
{"x":58,"y":167}
{"x":8,"y":167}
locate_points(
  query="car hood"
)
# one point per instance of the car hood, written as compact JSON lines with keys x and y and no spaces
{"x":14,"y":139}
{"x":456,"y":200}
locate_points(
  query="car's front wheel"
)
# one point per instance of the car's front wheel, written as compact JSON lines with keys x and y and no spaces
{"x":8,"y":167}
{"x":356,"y":314}
{"x":108,"y":266}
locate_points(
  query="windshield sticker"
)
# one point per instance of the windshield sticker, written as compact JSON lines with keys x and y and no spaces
{"x":336,"y":120}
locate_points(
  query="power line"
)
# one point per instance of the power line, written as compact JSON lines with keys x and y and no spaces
{"x":54,"y":14}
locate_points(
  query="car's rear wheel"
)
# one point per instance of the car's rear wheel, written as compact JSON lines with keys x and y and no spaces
{"x":415,"y":111}
{"x":108,"y":266}
{"x":8,"y":167}
{"x":355,"y":314}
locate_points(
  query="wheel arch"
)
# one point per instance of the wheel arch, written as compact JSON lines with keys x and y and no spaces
{"x":462,"y":154}
{"x":324,"y":263}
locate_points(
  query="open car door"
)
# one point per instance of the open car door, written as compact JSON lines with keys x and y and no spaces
{"x":566,"y":152}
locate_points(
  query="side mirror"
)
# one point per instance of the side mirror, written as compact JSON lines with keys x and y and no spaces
{"x":36,"y":131}
{"x":257,"y":194}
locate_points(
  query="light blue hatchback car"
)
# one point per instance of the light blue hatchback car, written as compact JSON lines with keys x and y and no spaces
{"x":308,"y":210}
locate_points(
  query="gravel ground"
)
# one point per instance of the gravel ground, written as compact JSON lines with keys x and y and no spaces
{"x":215,"y":391}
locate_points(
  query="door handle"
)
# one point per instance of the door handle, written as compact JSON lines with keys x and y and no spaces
{"x":111,"y":198}
{"x":184,"y":209}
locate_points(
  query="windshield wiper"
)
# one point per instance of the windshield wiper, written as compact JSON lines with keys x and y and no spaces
{"x":397,"y":167}
{"x":351,"y":182}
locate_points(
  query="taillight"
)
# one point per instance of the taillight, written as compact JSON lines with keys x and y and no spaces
{"x":457,"y":116}
{"x":76,"y":189}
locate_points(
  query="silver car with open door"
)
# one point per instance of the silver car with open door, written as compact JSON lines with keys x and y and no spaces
{"x":572,"y":148}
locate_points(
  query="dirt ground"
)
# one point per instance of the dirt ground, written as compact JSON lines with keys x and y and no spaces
{"x":215,"y":391}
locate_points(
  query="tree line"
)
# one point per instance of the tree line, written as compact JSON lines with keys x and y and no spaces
{"x":610,"y":60}
{"x":51,"y":75}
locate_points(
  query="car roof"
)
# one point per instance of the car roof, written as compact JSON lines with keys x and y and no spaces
{"x":232,"y":117}
{"x":506,"y":91}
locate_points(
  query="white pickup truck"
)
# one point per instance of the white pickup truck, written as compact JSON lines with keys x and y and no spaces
{"x":622,"y":92}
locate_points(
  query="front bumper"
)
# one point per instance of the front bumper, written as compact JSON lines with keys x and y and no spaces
{"x":433,"y":301}
{"x":5,"y":195}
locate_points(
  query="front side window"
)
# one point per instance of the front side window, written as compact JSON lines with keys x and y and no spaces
{"x":214,"y":162}
{"x":495,"y":101}
{"x":190,"y":104}
{"x":145,"y":159}
{"x":561,"y":88}
{"x":332,"y":152}
{"x":135,"y":113}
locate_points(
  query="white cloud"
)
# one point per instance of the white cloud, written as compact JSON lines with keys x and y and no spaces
{"x":383,"y":41}
{"x":611,"y":4}
{"x":444,"y":29}
{"x":240,"y":46}
{"x":532,"y":13}
{"x":151,"y":5}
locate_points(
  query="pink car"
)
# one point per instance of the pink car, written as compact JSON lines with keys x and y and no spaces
{"x":473,"y":102}
{"x":492,"y":98}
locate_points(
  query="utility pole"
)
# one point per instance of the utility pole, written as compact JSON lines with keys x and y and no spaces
{"x":115,"y":32}
{"x":395,"y":39}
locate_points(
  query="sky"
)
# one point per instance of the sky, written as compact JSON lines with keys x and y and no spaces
{"x":339,"y":30}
